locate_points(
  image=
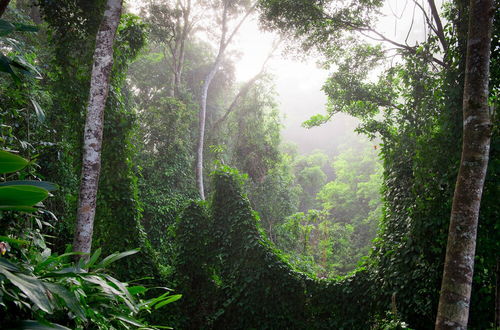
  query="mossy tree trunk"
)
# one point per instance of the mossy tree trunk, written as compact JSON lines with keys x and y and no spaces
{"x":453,"y":310}
{"x":99,"y":88}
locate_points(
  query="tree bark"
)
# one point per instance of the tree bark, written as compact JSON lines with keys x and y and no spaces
{"x":3,"y":6}
{"x":201,"y":128}
{"x":99,"y":88}
{"x":454,"y":301}
{"x":224,"y":42}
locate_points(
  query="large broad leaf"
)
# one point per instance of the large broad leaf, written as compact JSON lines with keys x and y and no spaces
{"x":69,"y":298}
{"x":10,"y":162}
{"x":6,"y":66}
{"x":168,"y":300}
{"x":40,"y":114}
{"x":6,"y":27}
{"x":25,"y":67}
{"x":31,"y":287}
{"x":21,"y":195}
{"x":105,"y":287}
{"x":93,"y":259}
{"x":20,"y":65}
{"x":114,"y":257}
{"x":34,"y":325}
{"x":13,"y":240}
{"x":129,"y":320}
{"x":66,"y":272}
{"x":137,"y":289}
{"x":54,"y":258}
{"x":25,"y":28}
{"x":127,"y":297}
{"x":5,"y":264}
{"x":49,"y":186}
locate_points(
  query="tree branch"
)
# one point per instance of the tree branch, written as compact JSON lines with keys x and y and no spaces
{"x":240,"y":23}
{"x":363,"y":29}
{"x":427,"y":18}
{"x":439,"y":25}
{"x":381,"y":37}
{"x":246,"y":87}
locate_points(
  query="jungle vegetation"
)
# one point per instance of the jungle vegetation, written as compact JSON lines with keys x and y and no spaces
{"x":144,"y":186}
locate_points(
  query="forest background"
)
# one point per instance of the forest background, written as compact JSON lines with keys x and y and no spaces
{"x":349,"y":237}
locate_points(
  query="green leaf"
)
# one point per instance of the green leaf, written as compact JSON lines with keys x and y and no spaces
{"x":53,"y":258}
{"x":4,"y":263}
{"x":34,"y":325}
{"x":25,"y":28}
{"x":137,"y":289}
{"x":68,"y":297}
{"x":128,"y":299}
{"x":106,"y":288}
{"x":21,"y":195}
{"x":149,"y":303}
{"x":168,"y":300}
{"x":6,"y":27}
{"x":93,"y":259}
{"x":129,"y":321}
{"x":13,"y":240}
{"x":66,"y":272}
{"x":26,"y":67}
{"x":31,"y":287}
{"x":5,"y":66}
{"x":49,"y":186}
{"x":40,"y":114}
{"x":10,"y":162}
{"x":114,"y":257}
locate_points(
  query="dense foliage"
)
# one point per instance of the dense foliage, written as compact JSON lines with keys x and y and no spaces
{"x":353,"y":239}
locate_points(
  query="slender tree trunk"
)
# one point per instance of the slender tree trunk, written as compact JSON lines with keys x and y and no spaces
{"x":454,"y":301}
{"x":201,"y":128}
{"x":3,"y":6}
{"x":99,"y":87}
{"x":224,"y":42}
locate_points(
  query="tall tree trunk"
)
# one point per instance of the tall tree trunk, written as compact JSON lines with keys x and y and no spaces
{"x":201,"y":127}
{"x":454,"y":301}
{"x":3,"y":6}
{"x":99,"y":87}
{"x":224,"y":42}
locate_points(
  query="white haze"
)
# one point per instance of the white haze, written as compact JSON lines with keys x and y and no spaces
{"x":298,"y":83}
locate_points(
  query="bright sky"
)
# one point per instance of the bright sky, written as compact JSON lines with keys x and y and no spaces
{"x":299,"y":83}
